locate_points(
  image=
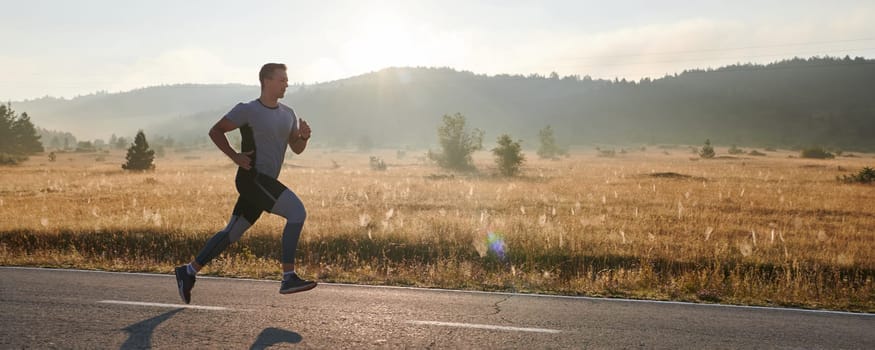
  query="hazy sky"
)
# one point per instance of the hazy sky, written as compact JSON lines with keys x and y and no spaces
{"x":69,"y":48}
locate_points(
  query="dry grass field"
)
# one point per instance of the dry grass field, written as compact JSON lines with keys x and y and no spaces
{"x":655,"y":224}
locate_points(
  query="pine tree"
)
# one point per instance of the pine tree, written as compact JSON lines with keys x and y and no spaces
{"x":508,"y":155}
{"x":139,"y":155}
{"x":7,"y":117}
{"x":18,"y":136}
{"x":26,"y":139}
{"x":707,"y":151}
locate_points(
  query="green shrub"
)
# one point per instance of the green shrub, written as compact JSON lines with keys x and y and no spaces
{"x":816,"y":153}
{"x":735,"y":150}
{"x":549,"y":148}
{"x":11,"y":159}
{"x":457,"y":144}
{"x":85,"y":147}
{"x":707,"y":151}
{"x":508,"y":155}
{"x":864,"y":176}
{"x":607,"y":153}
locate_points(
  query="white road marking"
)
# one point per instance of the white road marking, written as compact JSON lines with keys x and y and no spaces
{"x":175,"y":306}
{"x":485,"y":326}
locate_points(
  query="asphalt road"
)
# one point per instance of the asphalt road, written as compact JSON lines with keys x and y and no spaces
{"x":49,"y":308}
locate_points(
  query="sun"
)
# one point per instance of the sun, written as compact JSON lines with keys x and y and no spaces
{"x":383,"y":40}
{"x":386,"y":37}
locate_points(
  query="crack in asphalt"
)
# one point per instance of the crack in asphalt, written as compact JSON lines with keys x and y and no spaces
{"x":497,"y":308}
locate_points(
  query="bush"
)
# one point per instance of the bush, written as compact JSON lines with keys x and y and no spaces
{"x":377,"y":163}
{"x":11,"y":159}
{"x":756,"y":153}
{"x":549,"y":148}
{"x":816,"y":153}
{"x":508,"y":155}
{"x":865,"y":176}
{"x":707,"y":151}
{"x":735,"y":150}
{"x":457,"y":143}
{"x":85,"y":147}
{"x":606,"y":152}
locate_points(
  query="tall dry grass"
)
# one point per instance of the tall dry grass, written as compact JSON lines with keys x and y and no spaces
{"x":759,"y":230}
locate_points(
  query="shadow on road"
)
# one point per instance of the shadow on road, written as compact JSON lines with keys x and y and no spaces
{"x":272,"y":336}
{"x":140,"y":333}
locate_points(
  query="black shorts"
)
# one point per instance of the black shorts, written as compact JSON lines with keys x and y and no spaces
{"x":258,"y":193}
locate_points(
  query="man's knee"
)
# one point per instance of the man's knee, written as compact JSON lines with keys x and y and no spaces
{"x":290,"y":207}
{"x":236,"y":229}
{"x":302,"y":215}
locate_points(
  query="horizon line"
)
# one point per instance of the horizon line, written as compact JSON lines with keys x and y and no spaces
{"x":454,"y":69}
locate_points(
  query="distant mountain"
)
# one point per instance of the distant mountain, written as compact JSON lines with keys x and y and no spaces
{"x":102,"y":114}
{"x":797,"y":102}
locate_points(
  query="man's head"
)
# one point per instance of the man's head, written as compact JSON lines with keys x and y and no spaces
{"x":274,"y":80}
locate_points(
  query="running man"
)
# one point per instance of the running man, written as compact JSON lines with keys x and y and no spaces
{"x":266,"y":127}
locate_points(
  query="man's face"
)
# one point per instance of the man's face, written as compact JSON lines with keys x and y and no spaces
{"x":278,"y":82}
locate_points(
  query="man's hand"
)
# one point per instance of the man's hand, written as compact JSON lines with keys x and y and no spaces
{"x":301,"y":133}
{"x":243,"y":160}
{"x":304,"y":132}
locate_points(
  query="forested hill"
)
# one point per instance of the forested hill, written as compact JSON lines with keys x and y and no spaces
{"x":798,"y":102}
{"x":829,"y":102}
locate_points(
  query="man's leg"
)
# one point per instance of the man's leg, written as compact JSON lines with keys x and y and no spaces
{"x":220,"y":241}
{"x":289,"y":206}
{"x":244,"y":215}
{"x":242,"y":218}
{"x":271,"y":195}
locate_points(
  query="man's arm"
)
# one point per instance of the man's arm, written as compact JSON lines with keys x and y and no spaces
{"x":298,"y":138}
{"x":217,"y":134}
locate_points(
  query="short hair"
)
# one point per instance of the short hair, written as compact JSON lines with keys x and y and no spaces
{"x":267,"y":71}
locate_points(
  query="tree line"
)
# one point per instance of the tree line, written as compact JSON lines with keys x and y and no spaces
{"x":18,"y":137}
{"x":792,"y":103}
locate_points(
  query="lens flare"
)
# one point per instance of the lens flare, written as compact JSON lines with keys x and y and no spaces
{"x":496,"y":245}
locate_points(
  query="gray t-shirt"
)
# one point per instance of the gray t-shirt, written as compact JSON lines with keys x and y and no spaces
{"x":266,"y":131}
